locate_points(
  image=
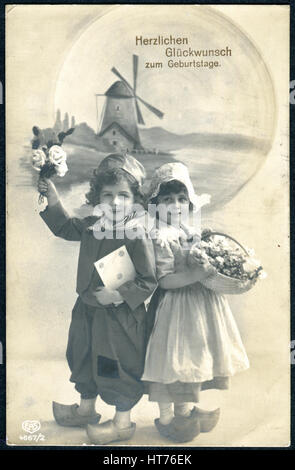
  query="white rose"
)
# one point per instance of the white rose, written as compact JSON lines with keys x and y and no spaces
{"x":224,"y":243}
{"x":251,"y":264}
{"x":61,"y":168}
{"x":262,"y":275}
{"x":250,"y":251}
{"x":38,"y":159}
{"x":57,"y":155}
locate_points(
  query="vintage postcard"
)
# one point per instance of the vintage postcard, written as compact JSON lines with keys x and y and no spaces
{"x":150,"y":142}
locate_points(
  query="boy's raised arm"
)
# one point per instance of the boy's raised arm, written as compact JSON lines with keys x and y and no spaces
{"x":56,"y":217}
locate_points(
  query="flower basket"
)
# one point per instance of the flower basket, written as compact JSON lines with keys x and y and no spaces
{"x":226,"y":284}
{"x":231,"y":276}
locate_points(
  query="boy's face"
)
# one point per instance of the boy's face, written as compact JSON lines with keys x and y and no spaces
{"x":173,"y":208}
{"x":119,"y":200}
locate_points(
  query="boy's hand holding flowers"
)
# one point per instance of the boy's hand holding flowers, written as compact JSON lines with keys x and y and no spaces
{"x":48,"y":189}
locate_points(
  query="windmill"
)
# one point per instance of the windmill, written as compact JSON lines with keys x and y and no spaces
{"x":121,"y":114}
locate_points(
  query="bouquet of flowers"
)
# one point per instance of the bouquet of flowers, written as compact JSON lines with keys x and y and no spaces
{"x":237,"y":269}
{"x":48,"y":158}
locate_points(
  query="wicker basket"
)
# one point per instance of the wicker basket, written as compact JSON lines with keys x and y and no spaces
{"x":225,"y":284}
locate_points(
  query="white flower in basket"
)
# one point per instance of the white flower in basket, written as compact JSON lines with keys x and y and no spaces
{"x":251,"y":264}
{"x":236,"y":272}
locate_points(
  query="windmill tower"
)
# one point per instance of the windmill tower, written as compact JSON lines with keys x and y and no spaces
{"x":121,"y":113}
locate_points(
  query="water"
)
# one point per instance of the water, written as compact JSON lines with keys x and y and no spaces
{"x":214,"y":170}
{"x":220,"y":173}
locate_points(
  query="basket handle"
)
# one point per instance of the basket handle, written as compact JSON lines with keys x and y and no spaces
{"x":209,"y":234}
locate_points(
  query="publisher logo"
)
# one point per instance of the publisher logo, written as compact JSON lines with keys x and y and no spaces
{"x":31,"y":427}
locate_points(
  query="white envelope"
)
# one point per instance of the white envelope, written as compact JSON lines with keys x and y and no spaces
{"x":116,"y":268}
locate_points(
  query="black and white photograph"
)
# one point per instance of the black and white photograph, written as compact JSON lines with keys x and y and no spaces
{"x":147,"y":169}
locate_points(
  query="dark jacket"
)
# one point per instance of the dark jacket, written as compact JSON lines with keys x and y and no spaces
{"x":107,"y":344}
{"x":140,"y":250}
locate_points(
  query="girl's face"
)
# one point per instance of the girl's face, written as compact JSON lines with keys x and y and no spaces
{"x":173,"y":208}
{"x":119,"y":200}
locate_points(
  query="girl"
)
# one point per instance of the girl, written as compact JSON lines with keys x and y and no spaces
{"x":107,"y":337}
{"x":195,"y":344}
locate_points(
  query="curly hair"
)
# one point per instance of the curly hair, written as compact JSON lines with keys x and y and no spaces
{"x":174,"y":187}
{"x":113,"y":176}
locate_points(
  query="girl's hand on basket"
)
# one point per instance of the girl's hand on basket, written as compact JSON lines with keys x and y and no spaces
{"x":202,"y":271}
{"x":106,"y":296}
{"x":196,"y":257}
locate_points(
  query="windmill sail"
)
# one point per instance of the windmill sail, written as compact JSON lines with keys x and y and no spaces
{"x":99,"y":119}
{"x":139,"y":115}
{"x":121,"y":113}
{"x":135,"y":68}
{"x":151,"y":108}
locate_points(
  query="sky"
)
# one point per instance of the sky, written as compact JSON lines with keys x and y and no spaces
{"x":236,"y":97}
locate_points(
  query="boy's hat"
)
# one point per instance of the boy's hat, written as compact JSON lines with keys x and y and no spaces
{"x":124,"y":162}
{"x":168,"y":172}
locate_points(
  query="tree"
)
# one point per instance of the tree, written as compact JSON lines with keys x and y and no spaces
{"x":66,"y":124}
{"x":73,"y":121}
{"x":57,"y":125}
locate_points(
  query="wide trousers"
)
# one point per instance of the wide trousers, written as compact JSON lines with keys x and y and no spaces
{"x":106,"y":352}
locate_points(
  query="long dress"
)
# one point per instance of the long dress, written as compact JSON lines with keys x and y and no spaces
{"x":195,"y":343}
